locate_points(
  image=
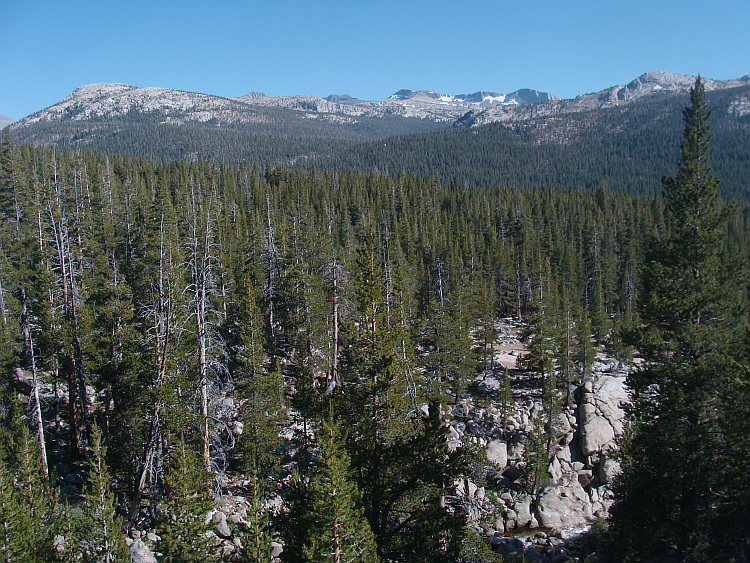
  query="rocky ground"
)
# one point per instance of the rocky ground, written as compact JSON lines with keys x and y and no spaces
{"x":545,"y":526}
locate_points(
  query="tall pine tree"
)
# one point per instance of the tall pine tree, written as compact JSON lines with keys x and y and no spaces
{"x":340,"y":533}
{"x":668,"y":496}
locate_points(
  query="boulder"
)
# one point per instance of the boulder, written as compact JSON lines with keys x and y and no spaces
{"x":555,"y":470}
{"x":516,"y":450}
{"x":276,"y":549}
{"x":562,"y":424}
{"x":453,"y":433}
{"x":596,"y":431}
{"x":209,"y":516}
{"x":608,"y":470}
{"x":533,"y":555}
{"x":488,"y":383}
{"x":585,"y":476}
{"x":461,"y":410}
{"x":140,"y":553}
{"x":222,"y":529}
{"x":600,"y":413}
{"x":500,"y":526}
{"x":523,"y":510}
{"x":511,"y":548}
{"x":563,"y":453}
{"x":497,"y":453}
{"x":608,"y":365}
{"x":564,"y":506}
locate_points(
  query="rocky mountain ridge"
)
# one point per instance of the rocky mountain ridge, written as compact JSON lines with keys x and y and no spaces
{"x":113,"y":100}
{"x":108,"y":101}
{"x":649,"y":85}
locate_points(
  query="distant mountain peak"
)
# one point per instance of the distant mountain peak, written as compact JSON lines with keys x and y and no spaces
{"x":5,"y":121}
{"x":343,"y":99}
{"x":479,"y":99}
{"x":99,"y":88}
{"x":253,"y":95}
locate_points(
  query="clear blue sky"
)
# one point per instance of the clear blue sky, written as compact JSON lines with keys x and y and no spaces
{"x":363,"y":48}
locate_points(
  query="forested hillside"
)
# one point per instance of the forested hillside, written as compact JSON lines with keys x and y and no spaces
{"x":277,"y":135}
{"x":186,"y":330}
{"x":626,"y":148}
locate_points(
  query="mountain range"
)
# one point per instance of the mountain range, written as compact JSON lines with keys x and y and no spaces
{"x":527,"y":138}
{"x":116,"y":101}
{"x":111,"y":101}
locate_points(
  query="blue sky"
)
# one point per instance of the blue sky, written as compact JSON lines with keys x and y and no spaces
{"x":365,"y":49}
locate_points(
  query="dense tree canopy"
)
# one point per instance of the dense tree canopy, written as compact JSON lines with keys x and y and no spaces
{"x":192,"y":309}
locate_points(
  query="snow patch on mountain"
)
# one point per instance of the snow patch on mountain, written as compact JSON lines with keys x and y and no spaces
{"x":477,"y":99}
{"x":649,"y":85}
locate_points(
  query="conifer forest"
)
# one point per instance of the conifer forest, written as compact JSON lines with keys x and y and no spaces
{"x":176,"y":333}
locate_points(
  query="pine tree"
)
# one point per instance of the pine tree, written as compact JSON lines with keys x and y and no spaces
{"x":257,"y":539}
{"x":26,"y":502}
{"x":733,"y":484}
{"x":506,"y":399}
{"x":182,"y":525}
{"x":104,"y":541}
{"x":259,"y":390}
{"x":400,"y":463}
{"x":340,"y":533}
{"x":536,"y":456}
{"x":16,"y":534}
{"x":297,"y":519}
{"x":683,"y":282}
{"x":667,"y":498}
{"x":65,"y":543}
{"x":585,"y":353}
{"x":540,"y":332}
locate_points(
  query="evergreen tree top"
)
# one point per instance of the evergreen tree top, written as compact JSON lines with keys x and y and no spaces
{"x":691,"y":197}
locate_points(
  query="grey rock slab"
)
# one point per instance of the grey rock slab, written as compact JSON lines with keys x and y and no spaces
{"x":497,"y":453}
{"x":140,"y":553}
{"x":601,"y":414}
{"x":608,"y":470}
{"x":223,"y":530}
{"x":564,"y":506}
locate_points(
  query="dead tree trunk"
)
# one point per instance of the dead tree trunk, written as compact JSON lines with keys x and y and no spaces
{"x":201,"y":262}
{"x":163,"y":311}
{"x":37,"y":405}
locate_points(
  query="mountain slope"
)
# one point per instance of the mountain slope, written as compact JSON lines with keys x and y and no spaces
{"x":626,"y":148}
{"x":650,"y":85}
{"x":173,"y":124}
{"x":113,"y":101}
